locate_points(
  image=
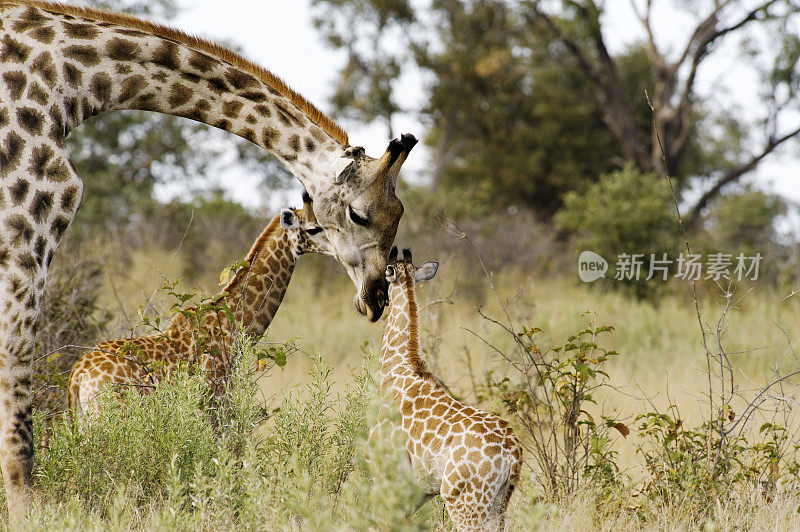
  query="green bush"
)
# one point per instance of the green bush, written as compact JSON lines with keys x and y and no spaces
{"x":624,"y":212}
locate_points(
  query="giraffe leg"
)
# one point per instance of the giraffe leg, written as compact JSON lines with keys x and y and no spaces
{"x":20,"y":299}
{"x":36,"y":212}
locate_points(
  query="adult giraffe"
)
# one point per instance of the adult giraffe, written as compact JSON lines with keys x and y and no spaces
{"x":60,"y":64}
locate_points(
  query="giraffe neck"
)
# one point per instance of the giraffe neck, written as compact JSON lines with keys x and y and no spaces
{"x":401,"y":365}
{"x":91,"y":62}
{"x":255,"y":293}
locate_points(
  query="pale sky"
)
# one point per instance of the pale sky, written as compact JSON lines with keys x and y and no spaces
{"x":279,"y":35}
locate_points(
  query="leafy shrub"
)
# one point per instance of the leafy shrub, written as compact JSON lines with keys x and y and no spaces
{"x":71,"y":316}
{"x":624,"y":212}
{"x":549,"y":393}
{"x":149,"y":442}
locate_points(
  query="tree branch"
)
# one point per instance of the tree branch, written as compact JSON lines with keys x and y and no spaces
{"x":733,"y":175}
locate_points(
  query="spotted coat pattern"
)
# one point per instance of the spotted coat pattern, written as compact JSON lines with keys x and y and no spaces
{"x":469,"y":457}
{"x":253,"y":295}
{"x":60,"y":64}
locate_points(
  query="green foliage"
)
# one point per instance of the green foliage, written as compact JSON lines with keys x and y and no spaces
{"x":625,"y":212}
{"x":365,"y":90}
{"x":512,"y":120}
{"x":549,"y":394}
{"x":71,"y":316}
{"x":745,"y":221}
{"x":701,"y":465}
{"x":147,"y":444}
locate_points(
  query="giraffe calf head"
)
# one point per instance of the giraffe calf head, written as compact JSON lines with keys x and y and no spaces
{"x":401,"y":269}
{"x":308,"y":235}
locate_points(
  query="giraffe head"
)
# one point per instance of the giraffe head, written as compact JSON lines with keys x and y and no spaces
{"x":357,"y":206}
{"x":398,"y":271}
{"x":306,"y":234}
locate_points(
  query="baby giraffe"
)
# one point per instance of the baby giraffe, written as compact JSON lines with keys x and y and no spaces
{"x":469,"y":457}
{"x":203,"y":339}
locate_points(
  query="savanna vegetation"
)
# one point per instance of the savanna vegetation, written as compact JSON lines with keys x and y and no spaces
{"x":642,"y":405}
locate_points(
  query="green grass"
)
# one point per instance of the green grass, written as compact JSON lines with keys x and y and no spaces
{"x":161,"y":464}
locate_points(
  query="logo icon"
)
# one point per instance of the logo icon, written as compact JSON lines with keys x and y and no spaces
{"x":591,"y":266}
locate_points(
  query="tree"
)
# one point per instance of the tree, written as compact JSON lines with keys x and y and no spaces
{"x":527,"y":102}
{"x":679,"y":109}
{"x":365,"y":90}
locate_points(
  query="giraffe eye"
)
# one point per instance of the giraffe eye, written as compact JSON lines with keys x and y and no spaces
{"x":357,"y":219}
{"x":313,"y":230}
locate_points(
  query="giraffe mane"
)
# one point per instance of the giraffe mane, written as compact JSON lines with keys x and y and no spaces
{"x":258,"y":245}
{"x":204,"y":45}
{"x":420,"y":369}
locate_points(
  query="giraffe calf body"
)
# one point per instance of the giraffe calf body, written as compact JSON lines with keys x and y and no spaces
{"x":203,"y":339}
{"x":469,"y":457}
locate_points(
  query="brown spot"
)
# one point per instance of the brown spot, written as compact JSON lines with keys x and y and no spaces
{"x":250,"y":119}
{"x":78,"y":30}
{"x":39,"y":159}
{"x":161,"y":76}
{"x":73,"y":74}
{"x":254,"y":96}
{"x":14,"y":51}
{"x":86,"y":55}
{"x":218,"y":84}
{"x":10,"y":152}
{"x":145,"y":101}
{"x":263,"y":110}
{"x":223,"y":124}
{"x":199,"y":111}
{"x":231,"y":109}
{"x":294,"y":143}
{"x":16,"y":83}
{"x":202,"y":62}
{"x":41,"y":206}
{"x":122,"y":68}
{"x":37,"y":94}
{"x":250,"y":135}
{"x":240,"y":80}
{"x":32,"y":18}
{"x":68,"y":198}
{"x":27,"y":263}
{"x":167,"y":56}
{"x":60,"y":225}
{"x":310,"y":146}
{"x":131,"y":87}
{"x":39,"y":249}
{"x":4,"y":117}
{"x":19,"y":191}
{"x":179,"y":95}
{"x":123,"y":49}
{"x":20,"y":230}
{"x":31,"y":120}
{"x":44,"y":34}
{"x":269,"y":136}
{"x":101,"y":87}
{"x":44,"y":66}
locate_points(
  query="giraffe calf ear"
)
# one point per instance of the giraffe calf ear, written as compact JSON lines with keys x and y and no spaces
{"x":391,"y":274}
{"x":289,"y":219}
{"x":425,"y":272}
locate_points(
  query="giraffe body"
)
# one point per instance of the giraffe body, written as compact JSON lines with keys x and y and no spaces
{"x":253,"y":295}
{"x":60,"y":64}
{"x":469,"y":457}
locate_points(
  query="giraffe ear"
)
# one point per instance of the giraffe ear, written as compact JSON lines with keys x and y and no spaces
{"x":289,"y":219}
{"x":425,"y":272}
{"x":391,"y":274}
